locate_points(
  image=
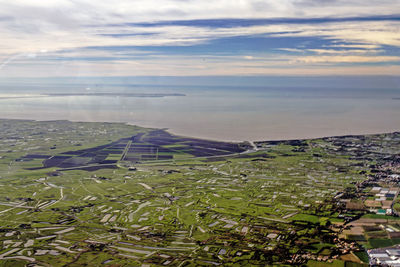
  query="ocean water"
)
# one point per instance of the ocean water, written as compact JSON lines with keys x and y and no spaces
{"x":220,"y":113}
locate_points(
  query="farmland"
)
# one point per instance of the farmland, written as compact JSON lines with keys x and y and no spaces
{"x":146,"y":146}
{"x":105,"y":194}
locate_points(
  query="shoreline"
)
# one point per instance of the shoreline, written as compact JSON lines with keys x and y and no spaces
{"x":311,"y":137}
{"x":355,"y":134}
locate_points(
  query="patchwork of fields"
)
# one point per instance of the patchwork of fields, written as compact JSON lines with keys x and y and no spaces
{"x":116,"y":195}
{"x":150,"y":146}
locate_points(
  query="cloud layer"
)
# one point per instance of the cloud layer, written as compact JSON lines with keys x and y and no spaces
{"x":194,"y":37}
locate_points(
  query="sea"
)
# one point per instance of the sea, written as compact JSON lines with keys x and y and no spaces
{"x":228,"y":113}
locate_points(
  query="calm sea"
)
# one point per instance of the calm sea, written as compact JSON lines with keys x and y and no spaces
{"x":221,"y":113}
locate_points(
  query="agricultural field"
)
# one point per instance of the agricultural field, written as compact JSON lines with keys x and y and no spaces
{"x":104,"y":194}
{"x":146,"y":146}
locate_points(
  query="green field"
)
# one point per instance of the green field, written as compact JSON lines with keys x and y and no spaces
{"x":247,"y":208}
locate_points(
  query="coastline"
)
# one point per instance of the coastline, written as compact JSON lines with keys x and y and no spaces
{"x":289,"y":137}
{"x":233,"y":140}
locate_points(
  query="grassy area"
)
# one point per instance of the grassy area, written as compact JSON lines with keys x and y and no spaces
{"x":377,"y":216}
{"x":306,"y":217}
{"x":335,"y":263}
{"x":362,"y":255}
{"x":380,"y":243}
{"x":251,"y":209}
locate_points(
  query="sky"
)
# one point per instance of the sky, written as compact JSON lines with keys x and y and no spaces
{"x":103,"y":38}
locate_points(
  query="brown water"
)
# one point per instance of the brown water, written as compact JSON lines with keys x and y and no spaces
{"x":223,"y":114}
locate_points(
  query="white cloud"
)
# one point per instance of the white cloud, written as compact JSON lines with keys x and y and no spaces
{"x":195,"y":66}
{"x":375,"y":33}
{"x":151,"y":10}
{"x":361,"y":46}
{"x":52,"y":28}
{"x":345,"y":52}
{"x":347,"y":59}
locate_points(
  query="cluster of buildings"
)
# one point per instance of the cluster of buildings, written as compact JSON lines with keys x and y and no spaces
{"x":385,"y":256}
{"x":383,"y":199}
{"x":343,"y":248}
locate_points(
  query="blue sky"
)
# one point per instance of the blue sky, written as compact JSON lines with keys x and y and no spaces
{"x":199,"y":38}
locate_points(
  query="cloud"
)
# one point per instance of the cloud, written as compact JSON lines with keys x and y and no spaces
{"x":346,"y":51}
{"x":361,"y":46}
{"x":124,"y":32}
{"x":347,"y":59}
{"x":365,"y":33}
{"x":193,"y":66}
{"x":294,"y":50}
